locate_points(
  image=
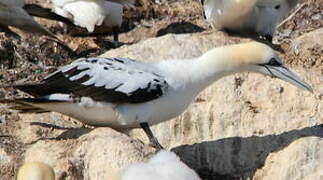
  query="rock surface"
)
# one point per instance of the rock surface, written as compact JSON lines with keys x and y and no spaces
{"x":309,"y":48}
{"x":4,"y":157}
{"x":96,"y":154}
{"x":235,"y":127}
{"x":301,"y":160}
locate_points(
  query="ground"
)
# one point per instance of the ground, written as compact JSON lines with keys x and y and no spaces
{"x":33,"y":57}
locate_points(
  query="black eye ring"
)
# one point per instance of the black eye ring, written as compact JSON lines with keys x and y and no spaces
{"x":274,"y":62}
{"x":277,"y":6}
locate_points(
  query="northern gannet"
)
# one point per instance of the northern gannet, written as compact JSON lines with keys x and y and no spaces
{"x":35,"y":171}
{"x":13,"y":14}
{"x":247,"y":16}
{"x":91,"y":13}
{"x":123,"y":93}
{"x":163,"y":166}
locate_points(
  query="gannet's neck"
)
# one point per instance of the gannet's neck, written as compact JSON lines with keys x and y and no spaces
{"x":207,"y":69}
{"x":220,"y":62}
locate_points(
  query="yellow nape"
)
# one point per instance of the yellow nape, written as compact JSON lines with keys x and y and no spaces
{"x":35,"y":171}
{"x":241,"y":54}
{"x":251,"y":53}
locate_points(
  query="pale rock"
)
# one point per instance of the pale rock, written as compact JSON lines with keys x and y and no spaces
{"x":4,"y":157}
{"x":104,"y":152}
{"x":301,"y":160}
{"x":52,"y":152}
{"x":7,"y":163}
{"x":308,"y":49}
{"x":96,"y":154}
{"x":303,"y":44}
{"x":37,"y":126}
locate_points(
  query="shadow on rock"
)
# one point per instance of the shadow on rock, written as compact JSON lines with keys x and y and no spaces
{"x":70,"y":133}
{"x":73,"y":133}
{"x":180,"y":28}
{"x":238,"y":157}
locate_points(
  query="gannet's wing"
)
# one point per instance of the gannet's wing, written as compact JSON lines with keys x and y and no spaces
{"x":103,"y":79}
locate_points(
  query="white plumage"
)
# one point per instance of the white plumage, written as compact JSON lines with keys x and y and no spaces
{"x":123,"y":93}
{"x":247,"y":16}
{"x":163,"y":166}
{"x":91,"y":13}
{"x":121,"y":74}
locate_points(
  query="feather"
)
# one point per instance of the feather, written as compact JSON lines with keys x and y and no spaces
{"x":102,"y":79}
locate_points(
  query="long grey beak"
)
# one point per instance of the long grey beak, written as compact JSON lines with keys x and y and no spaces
{"x":285,"y":74}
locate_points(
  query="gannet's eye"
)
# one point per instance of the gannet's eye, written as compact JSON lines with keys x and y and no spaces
{"x":274,"y":62}
{"x":277,"y":6}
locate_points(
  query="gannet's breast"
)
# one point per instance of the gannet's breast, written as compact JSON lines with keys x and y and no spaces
{"x":247,"y":16}
{"x":228,"y":13}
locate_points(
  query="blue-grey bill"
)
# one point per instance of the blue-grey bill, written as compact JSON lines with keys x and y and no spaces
{"x":285,"y":74}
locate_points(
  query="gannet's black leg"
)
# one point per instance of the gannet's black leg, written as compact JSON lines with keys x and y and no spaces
{"x":115,"y":31}
{"x":269,"y":38}
{"x":152,"y":139}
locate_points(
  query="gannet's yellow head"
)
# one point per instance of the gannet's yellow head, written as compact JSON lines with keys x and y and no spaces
{"x":253,"y":57}
{"x":252,"y":53}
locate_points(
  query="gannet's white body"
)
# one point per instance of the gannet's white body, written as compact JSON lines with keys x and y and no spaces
{"x":35,"y":171}
{"x":123,"y":93}
{"x":247,"y":16}
{"x":13,"y":14}
{"x":90,"y":13}
{"x":163,"y":166}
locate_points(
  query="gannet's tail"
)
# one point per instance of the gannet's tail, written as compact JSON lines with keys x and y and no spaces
{"x":22,"y":105}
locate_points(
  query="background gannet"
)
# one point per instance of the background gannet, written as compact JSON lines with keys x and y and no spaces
{"x":163,"y":166}
{"x":247,"y":16}
{"x":91,"y":13}
{"x":35,"y":171}
{"x":13,"y":14}
{"x":123,"y":93}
